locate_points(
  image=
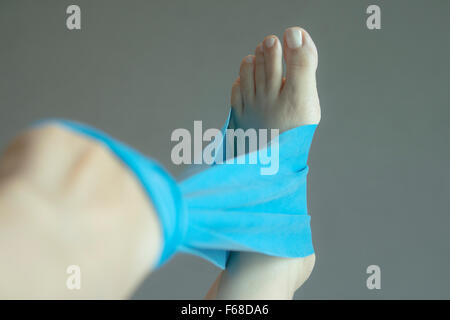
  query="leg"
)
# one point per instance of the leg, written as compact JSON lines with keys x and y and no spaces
{"x":66,"y":200}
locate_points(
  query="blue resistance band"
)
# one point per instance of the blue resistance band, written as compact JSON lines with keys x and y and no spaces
{"x":226,"y":207}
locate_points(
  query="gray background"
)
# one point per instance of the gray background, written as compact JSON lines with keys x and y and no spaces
{"x":379,"y":179}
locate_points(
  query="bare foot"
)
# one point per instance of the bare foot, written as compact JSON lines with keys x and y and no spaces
{"x":262,"y":98}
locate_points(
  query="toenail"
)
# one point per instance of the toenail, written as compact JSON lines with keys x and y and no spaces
{"x":294,"y":38}
{"x":269,"y":42}
{"x":260,"y":48}
{"x":249,"y":59}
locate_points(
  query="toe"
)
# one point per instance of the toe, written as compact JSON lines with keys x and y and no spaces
{"x":236,"y":97}
{"x":247,"y":81}
{"x":273,"y":65}
{"x":260,"y":77}
{"x":300,"y":54}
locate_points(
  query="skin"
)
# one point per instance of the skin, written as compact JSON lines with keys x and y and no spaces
{"x":67,"y":200}
{"x":263,"y":98}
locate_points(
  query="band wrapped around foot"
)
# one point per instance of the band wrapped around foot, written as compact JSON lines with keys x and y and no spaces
{"x":228,"y":206}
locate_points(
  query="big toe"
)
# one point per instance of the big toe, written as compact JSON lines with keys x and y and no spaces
{"x":300,"y":54}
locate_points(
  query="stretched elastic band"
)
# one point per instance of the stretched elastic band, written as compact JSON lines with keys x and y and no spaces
{"x":227,"y":207}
